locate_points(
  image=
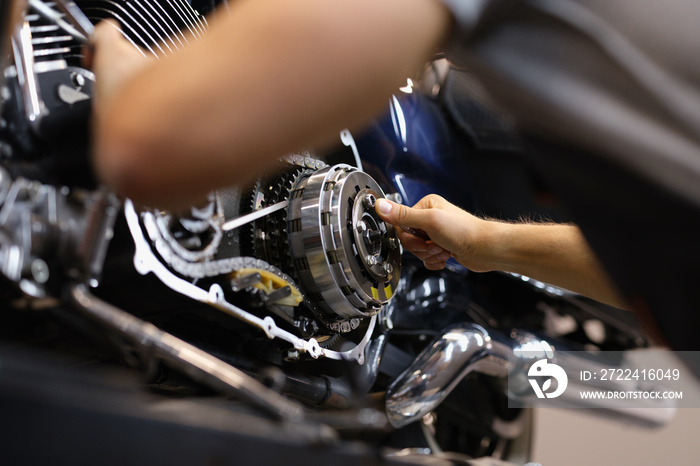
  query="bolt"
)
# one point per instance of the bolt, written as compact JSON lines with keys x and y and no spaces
{"x":361,"y":226}
{"x":369,"y":201}
{"x":372,"y":259}
{"x":395,"y":197}
{"x":40,"y":271}
{"x":78,"y":80}
{"x":388,"y":268}
{"x":393,"y":243}
{"x":387,"y":323}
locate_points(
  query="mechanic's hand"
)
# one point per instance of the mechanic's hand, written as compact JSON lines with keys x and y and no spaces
{"x":113,"y":59}
{"x":453,"y":232}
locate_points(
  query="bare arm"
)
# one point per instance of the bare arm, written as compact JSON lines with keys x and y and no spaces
{"x":553,"y":253}
{"x":270,"y":77}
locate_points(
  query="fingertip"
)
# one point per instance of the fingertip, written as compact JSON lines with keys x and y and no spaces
{"x":434,"y":265}
{"x":105,"y":29}
{"x":383,"y":207}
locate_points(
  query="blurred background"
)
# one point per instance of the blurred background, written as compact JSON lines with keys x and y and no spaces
{"x":576,"y":438}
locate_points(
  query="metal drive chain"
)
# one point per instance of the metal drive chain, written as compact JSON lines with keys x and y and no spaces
{"x":212,"y":268}
{"x":145,"y":261}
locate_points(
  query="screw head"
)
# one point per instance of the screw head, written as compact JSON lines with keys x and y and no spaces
{"x":78,"y":80}
{"x":40,"y":271}
{"x":388,"y":268}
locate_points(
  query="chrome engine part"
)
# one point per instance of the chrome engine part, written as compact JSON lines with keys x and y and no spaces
{"x":47,"y":231}
{"x":235,"y":255}
{"x":345,"y":255}
{"x":56,"y":221}
{"x":307,"y":284}
{"x":320,"y":227}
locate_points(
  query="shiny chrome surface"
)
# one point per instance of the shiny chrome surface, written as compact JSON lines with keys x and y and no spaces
{"x":80,"y":34}
{"x":255,"y":215}
{"x":440,"y":367}
{"x":42,"y":43}
{"x":157,"y":26}
{"x":47,"y":230}
{"x":76,"y":17}
{"x":194,"y":237}
{"x":24,"y":62}
{"x":468,"y":348}
{"x":344,"y":253}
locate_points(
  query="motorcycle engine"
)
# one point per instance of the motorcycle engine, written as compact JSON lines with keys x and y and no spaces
{"x":286,"y":283}
{"x":304,"y":249}
{"x":301,"y":255}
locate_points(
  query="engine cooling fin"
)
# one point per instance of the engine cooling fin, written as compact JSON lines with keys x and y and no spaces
{"x":160,"y":27}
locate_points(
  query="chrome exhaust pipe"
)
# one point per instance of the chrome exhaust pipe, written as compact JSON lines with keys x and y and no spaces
{"x":467,"y":348}
{"x":440,"y":367}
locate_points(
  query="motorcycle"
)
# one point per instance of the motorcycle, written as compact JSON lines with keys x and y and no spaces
{"x":275,"y":323}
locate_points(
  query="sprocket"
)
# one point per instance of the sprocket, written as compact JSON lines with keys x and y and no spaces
{"x":269,"y":235}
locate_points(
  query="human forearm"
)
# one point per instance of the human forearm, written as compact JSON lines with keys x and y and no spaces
{"x":270,"y":77}
{"x":553,"y":253}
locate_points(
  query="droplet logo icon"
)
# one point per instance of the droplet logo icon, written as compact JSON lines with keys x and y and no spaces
{"x":543,"y":368}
